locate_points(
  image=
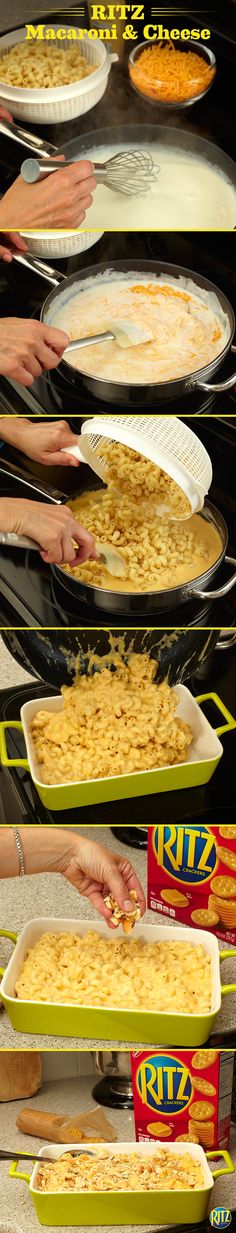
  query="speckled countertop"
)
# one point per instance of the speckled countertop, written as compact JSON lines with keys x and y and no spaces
{"x":52,"y":895}
{"x":17,"y":1212}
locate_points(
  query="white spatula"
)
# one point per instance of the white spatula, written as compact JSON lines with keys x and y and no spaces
{"x":125,"y":333}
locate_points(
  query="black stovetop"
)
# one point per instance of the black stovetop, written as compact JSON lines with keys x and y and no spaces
{"x":53,"y":393}
{"x":31,"y":593}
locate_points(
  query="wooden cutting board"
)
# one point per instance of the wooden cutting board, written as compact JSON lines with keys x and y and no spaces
{"x":20,"y":1075}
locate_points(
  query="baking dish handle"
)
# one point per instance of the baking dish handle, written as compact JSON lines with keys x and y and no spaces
{"x":4,"y":933}
{"x":15,"y":1172}
{"x":227,"y":954}
{"x":231,"y":722}
{"x":4,"y":759}
{"x":228,"y":1163}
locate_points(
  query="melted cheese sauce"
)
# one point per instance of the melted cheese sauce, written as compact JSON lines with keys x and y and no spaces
{"x":188,"y":331}
{"x":189,"y":194}
{"x":159,"y":554}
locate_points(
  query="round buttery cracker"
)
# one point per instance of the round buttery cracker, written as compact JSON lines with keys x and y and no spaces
{"x":227,"y":832}
{"x":191,"y":1138}
{"x":205,"y":918}
{"x":175,"y":897}
{"x":204,"y":1058}
{"x":224,"y":887}
{"x":201,"y":1110}
{"x":203,"y":1085}
{"x":228,"y":858}
{"x":161,"y":1130}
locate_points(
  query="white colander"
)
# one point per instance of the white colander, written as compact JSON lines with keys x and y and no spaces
{"x":48,"y":106}
{"x":164,"y":440}
{"x":60,"y":243}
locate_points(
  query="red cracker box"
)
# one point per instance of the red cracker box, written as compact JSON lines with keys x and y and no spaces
{"x":192,"y":876}
{"x":183,"y":1094}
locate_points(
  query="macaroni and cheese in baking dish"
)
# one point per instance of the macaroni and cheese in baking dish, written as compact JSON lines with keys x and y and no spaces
{"x":112,"y":722}
{"x":127,"y":973}
{"x":105,"y":1171}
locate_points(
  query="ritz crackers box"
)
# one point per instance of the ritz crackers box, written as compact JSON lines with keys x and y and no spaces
{"x":179,"y":1093}
{"x":192,"y":876}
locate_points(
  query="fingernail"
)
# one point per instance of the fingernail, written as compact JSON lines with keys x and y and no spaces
{"x":128,"y":905}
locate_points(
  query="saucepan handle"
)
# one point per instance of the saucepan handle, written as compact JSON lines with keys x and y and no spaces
{"x":5,"y":760}
{"x":217,"y":387}
{"x":10,"y":540}
{"x":217,"y":594}
{"x":4,"y":933}
{"x":53,"y":495}
{"x":227,"y":954}
{"x":228,"y":1166}
{"x":28,"y":140}
{"x":231,"y":722}
{"x":54,"y":277}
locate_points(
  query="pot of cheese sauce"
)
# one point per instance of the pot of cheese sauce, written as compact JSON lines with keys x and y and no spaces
{"x":189,"y":194}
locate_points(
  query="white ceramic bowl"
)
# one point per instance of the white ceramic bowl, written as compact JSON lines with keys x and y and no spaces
{"x":48,"y":106}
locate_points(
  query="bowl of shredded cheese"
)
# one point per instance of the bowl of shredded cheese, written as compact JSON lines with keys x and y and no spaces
{"x":50,"y":81}
{"x":172,"y":76}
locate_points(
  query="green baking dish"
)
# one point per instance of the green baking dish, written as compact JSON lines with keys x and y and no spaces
{"x":204,"y":756}
{"x":125,"y":1207}
{"x":111,"y":1023}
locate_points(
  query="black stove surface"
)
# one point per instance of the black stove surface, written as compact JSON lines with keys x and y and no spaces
{"x":33,"y":595}
{"x":21,"y":802}
{"x":54,"y":394}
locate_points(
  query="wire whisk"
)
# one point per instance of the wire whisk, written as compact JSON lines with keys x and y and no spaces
{"x":130,"y":172}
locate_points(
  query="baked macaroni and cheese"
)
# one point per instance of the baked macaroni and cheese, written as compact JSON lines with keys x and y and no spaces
{"x":104,"y":1171}
{"x":120,"y":972}
{"x":37,"y":66}
{"x":158,"y":554}
{"x":111,"y":722}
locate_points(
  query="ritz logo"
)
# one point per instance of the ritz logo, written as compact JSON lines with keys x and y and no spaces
{"x":186,"y":853}
{"x":164,"y":1084}
{"x":220,"y":1218}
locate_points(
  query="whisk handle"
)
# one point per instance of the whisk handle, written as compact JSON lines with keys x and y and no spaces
{"x":33,"y":169}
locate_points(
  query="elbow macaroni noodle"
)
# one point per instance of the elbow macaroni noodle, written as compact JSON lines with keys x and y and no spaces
{"x":112,"y":722}
{"x":129,"y":974}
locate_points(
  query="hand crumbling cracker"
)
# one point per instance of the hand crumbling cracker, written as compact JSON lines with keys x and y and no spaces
{"x":119,"y":917}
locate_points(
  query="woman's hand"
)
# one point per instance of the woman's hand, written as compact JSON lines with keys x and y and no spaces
{"x":61,"y":200}
{"x":42,"y":442}
{"x":10,"y":245}
{"x":29,"y":347}
{"x":5,"y":115}
{"x":53,"y":527}
{"x":94,"y":871}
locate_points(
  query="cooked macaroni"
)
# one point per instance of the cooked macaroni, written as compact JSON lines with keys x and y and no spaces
{"x":111,"y":722}
{"x":140,"y":479}
{"x":37,"y":66}
{"x":126,"y":1171}
{"x":159,"y":554}
{"x":131,"y":974}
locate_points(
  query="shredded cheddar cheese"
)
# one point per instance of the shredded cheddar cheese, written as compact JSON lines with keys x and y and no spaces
{"x":164,"y":73}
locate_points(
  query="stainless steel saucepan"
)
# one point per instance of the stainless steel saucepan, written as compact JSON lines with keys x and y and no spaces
{"x":122,"y":602}
{"x":125,"y":393}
